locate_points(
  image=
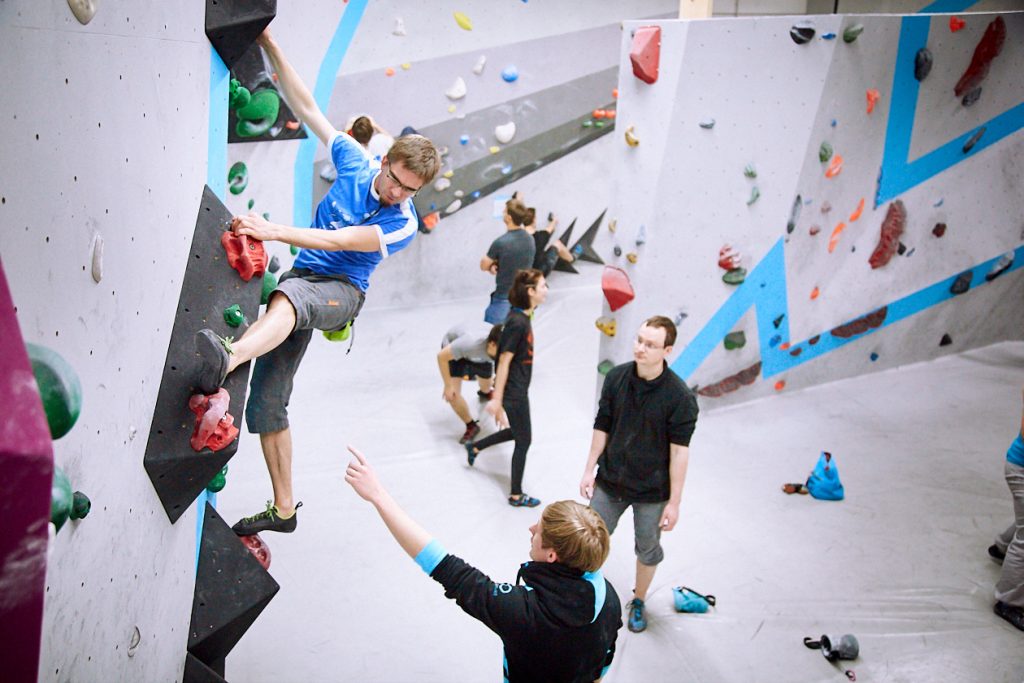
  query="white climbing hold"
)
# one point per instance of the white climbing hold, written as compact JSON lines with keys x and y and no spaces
{"x":442,"y":184}
{"x":328,"y":172}
{"x":84,"y":10}
{"x":453,"y":207}
{"x":479,"y":68}
{"x":97,"y":257}
{"x":399,"y":29}
{"x":459,"y":194}
{"x":505,"y":132}
{"x":457,"y":91}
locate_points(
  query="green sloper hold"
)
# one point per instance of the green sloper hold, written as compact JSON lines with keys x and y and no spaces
{"x":257,"y":117}
{"x":59,"y":389}
{"x":238,"y":177}
{"x":824,"y":152}
{"x":852,"y":32}
{"x":754,"y":194}
{"x":735,"y":340}
{"x":605,"y":366}
{"x":80,"y":505}
{"x":293,"y":249}
{"x":750,"y":171}
{"x":269,"y":285}
{"x":238,"y":94}
{"x":735,"y":276}
{"x":252,"y":203}
{"x":61,"y":498}
{"x":233,"y":316}
{"x":219,"y":481}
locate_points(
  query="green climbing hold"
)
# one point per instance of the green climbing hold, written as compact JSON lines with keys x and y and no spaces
{"x":824,"y":152}
{"x":293,"y":249}
{"x":252,"y":203}
{"x":735,"y":340}
{"x":754,"y":194}
{"x":219,"y":481}
{"x":59,"y":389}
{"x":233,"y":315}
{"x":339,"y":335}
{"x":735,"y":276}
{"x":238,"y":95}
{"x":257,"y":117}
{"x":605,"y":366}
{"x":750,"y":171}
{"x":61,"y":498}
{"x":598,"y":124}
{"x":588,"y":124}
{"x":80,"y":505}
{"x":269,"y":285}
{"x":238,"y":177}
{"x":266,"y":215}
{"x":852,"y":32}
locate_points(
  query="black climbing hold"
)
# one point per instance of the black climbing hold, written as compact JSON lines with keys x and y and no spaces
{"x":232,"y":589}
{"x":946,"y":340}
{"x":922,"y":63}
{"x":778,"y":320}
{"x":233,"y":25}
{"x":971,"y":96}
{"x":1000,"y":266}
{"x":801,"y":34}
{"x":939,"y":230}
{"x":274,"y":265}
{"x":962,"y":282}
{"x":901,"y":249}
{"x":973,"y":140}
{"x":209,"y":286}
{"x":617,"y":250}
{"x":199,"y":672}
{"x":794,"y":214}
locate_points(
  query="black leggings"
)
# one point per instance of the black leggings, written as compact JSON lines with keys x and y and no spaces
{"x":518,"y":411}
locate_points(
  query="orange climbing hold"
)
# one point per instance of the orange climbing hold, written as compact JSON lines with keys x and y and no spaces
{"x":784,"y":346}
{"x":616,"y":287}
{"x":956,"y":23}
{"x":291,"y":125}
{"x":872,"y":95}
{"x":833,"y":239}
{"x":389,"y":71}
{"x":615,"y":93}
{"x":814,"y":293}
{"x":246,"y":255}
{"x":858,"y":211}
{"x":645,"y":53}
{"x":597,"y":114}
{"x":780,"y":385}
{"x":834,"y":166}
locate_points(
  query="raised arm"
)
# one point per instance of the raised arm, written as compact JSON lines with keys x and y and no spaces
{"x":410,"y":535}
{"x":295,"y":91}
{"x":353,"y":238}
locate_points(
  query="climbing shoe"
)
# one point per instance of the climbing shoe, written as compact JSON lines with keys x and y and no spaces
{"x":1012,"y":613}
{"x":213,"y":352}
{"x":523,"y":501}
{"x":637,"y":621}
{"x":470,"y":453}
{"x":485,"y":395}
{"x":996,"y":554}
{"x":268,"y":520}
{"x":472,"y":429}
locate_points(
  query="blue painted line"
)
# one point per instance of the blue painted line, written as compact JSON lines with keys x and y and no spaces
{"x":946,"y":6}
{"x":899,"y":174}
{"x":768,"y":298}
{"x":302,"y":211}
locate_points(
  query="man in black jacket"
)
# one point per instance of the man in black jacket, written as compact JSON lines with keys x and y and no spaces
{"x":641,"y":443}
{"x":559,"y":621}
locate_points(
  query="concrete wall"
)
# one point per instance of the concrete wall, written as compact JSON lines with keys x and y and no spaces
{"x":775,"y":102}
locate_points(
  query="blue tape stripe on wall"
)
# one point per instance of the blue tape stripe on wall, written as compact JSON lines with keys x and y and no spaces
{"x":302,"y":209}
{"x":899,"y":174}
{"x":216,"y":178}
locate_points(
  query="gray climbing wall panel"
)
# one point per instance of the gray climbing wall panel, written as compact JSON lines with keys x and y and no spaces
{"x":104,"y":134}
{"x":774,"y":103}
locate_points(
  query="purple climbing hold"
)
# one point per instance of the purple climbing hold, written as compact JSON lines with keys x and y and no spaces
{"x":973,"y":140}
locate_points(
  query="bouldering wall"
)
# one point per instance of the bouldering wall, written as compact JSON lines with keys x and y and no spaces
{"x":814,"y":198}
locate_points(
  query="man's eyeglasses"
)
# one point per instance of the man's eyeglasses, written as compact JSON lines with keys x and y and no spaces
{"x":404,"y":187}
{"x":647,"y":345}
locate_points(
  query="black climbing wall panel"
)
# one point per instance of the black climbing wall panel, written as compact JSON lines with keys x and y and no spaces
{"x":233,"y":25}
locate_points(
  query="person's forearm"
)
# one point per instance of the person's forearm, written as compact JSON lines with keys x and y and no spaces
{"x":353,"y":238}
{"x":442,"y":365}
{"x":410,"y":535}
{"x":679,"y":458}
{"x":597,"y":445}
{"x":295,"y":91}
{"x":501,"y":376}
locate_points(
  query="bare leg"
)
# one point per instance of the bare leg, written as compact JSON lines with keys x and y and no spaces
{"x":277,"y":451}
{"x":644,"y":576}
{"x":486,"y":383}
{"x":265,"y":334}
{"x":563,"y":252}
{"x":459,"y":404}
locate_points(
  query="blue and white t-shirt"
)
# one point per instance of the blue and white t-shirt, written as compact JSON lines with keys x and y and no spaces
{"x":353,"y":201}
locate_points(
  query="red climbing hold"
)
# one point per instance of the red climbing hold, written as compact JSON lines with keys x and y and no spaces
{"x":732,"y":382}
{"x":872,"y":96}
{"x":258,"y":547}
{"x":989,"y":47}
{"x":246,"y":255}
{"x":729,"y":259}
{"x":616,"y":287}
{"x":889,"y":240}
{"x":644,"y":53}
{"x":430,"y":220}
{"x":861,"y":324}
{"x":215,"y":428}
{"x":956,"y":23}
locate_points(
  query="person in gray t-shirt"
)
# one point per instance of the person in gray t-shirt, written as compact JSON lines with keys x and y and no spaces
{"x":511,"y":252}
{"x":467,"y":352}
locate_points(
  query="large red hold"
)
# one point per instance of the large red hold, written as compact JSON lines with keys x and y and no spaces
{"x":731,"y":383}
{"x":246,"y":255}
{"x":989,"y":47}
{"x":862,"y":324}
{"x":889,"y":241}
{"x":616,"y":287}
{"x":645,"y":53}
{"x":258,"y":547}
{"x":215,"y":427}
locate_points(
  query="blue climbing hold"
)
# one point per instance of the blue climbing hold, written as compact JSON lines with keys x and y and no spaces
{"x":510,"y":73}
{"x":774,"y":341}
{"x":828,"y":36}
{"x":506,"y":169}
{"x":475,"y":195}
{"x":874,"y":356}
{"x":464,"y":140}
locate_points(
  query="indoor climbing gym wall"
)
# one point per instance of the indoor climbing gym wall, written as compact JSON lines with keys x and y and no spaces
{"x":812,"y":198}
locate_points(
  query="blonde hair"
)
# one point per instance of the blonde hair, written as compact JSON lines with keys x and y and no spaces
{"x":576,"y":533}
{"x":418,"y":155}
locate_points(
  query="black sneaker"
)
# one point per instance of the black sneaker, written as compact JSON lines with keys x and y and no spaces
{"x":996,"y":554}
{"x":268,"y":520}
{"x":1012,"y":613}
{"x":213,"y":352}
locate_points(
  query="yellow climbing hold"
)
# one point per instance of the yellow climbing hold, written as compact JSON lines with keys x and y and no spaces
{"x":631,"y":257}
{"x":451,"y":108}
{"x":606,"y":325}
{"x":406,"y":66}
{"x":495,"y":149}
{"x":631,"y":138}
{"x":449,"y":174}
{"x":463,"y":21}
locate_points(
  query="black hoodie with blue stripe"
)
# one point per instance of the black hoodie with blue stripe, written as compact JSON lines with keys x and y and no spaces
{"x":556,"y":623}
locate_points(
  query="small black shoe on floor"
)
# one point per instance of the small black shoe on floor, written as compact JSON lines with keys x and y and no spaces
{"x":1012,"y":613}
{"x":996,"y":554}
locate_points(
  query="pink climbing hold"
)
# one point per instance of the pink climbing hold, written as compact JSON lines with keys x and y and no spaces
{"x":616,"y":287}
{"x":645,"y":53}
{"x":889,"y":240}
{"x":215,"y":427}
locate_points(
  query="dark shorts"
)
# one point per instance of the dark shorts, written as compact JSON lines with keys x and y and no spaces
{"x":467,"y":369}
{"x":646,"y":523}
{"x":320,"y":302}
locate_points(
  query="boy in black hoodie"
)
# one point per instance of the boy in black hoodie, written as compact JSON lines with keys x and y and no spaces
{"x":560,"y":619}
